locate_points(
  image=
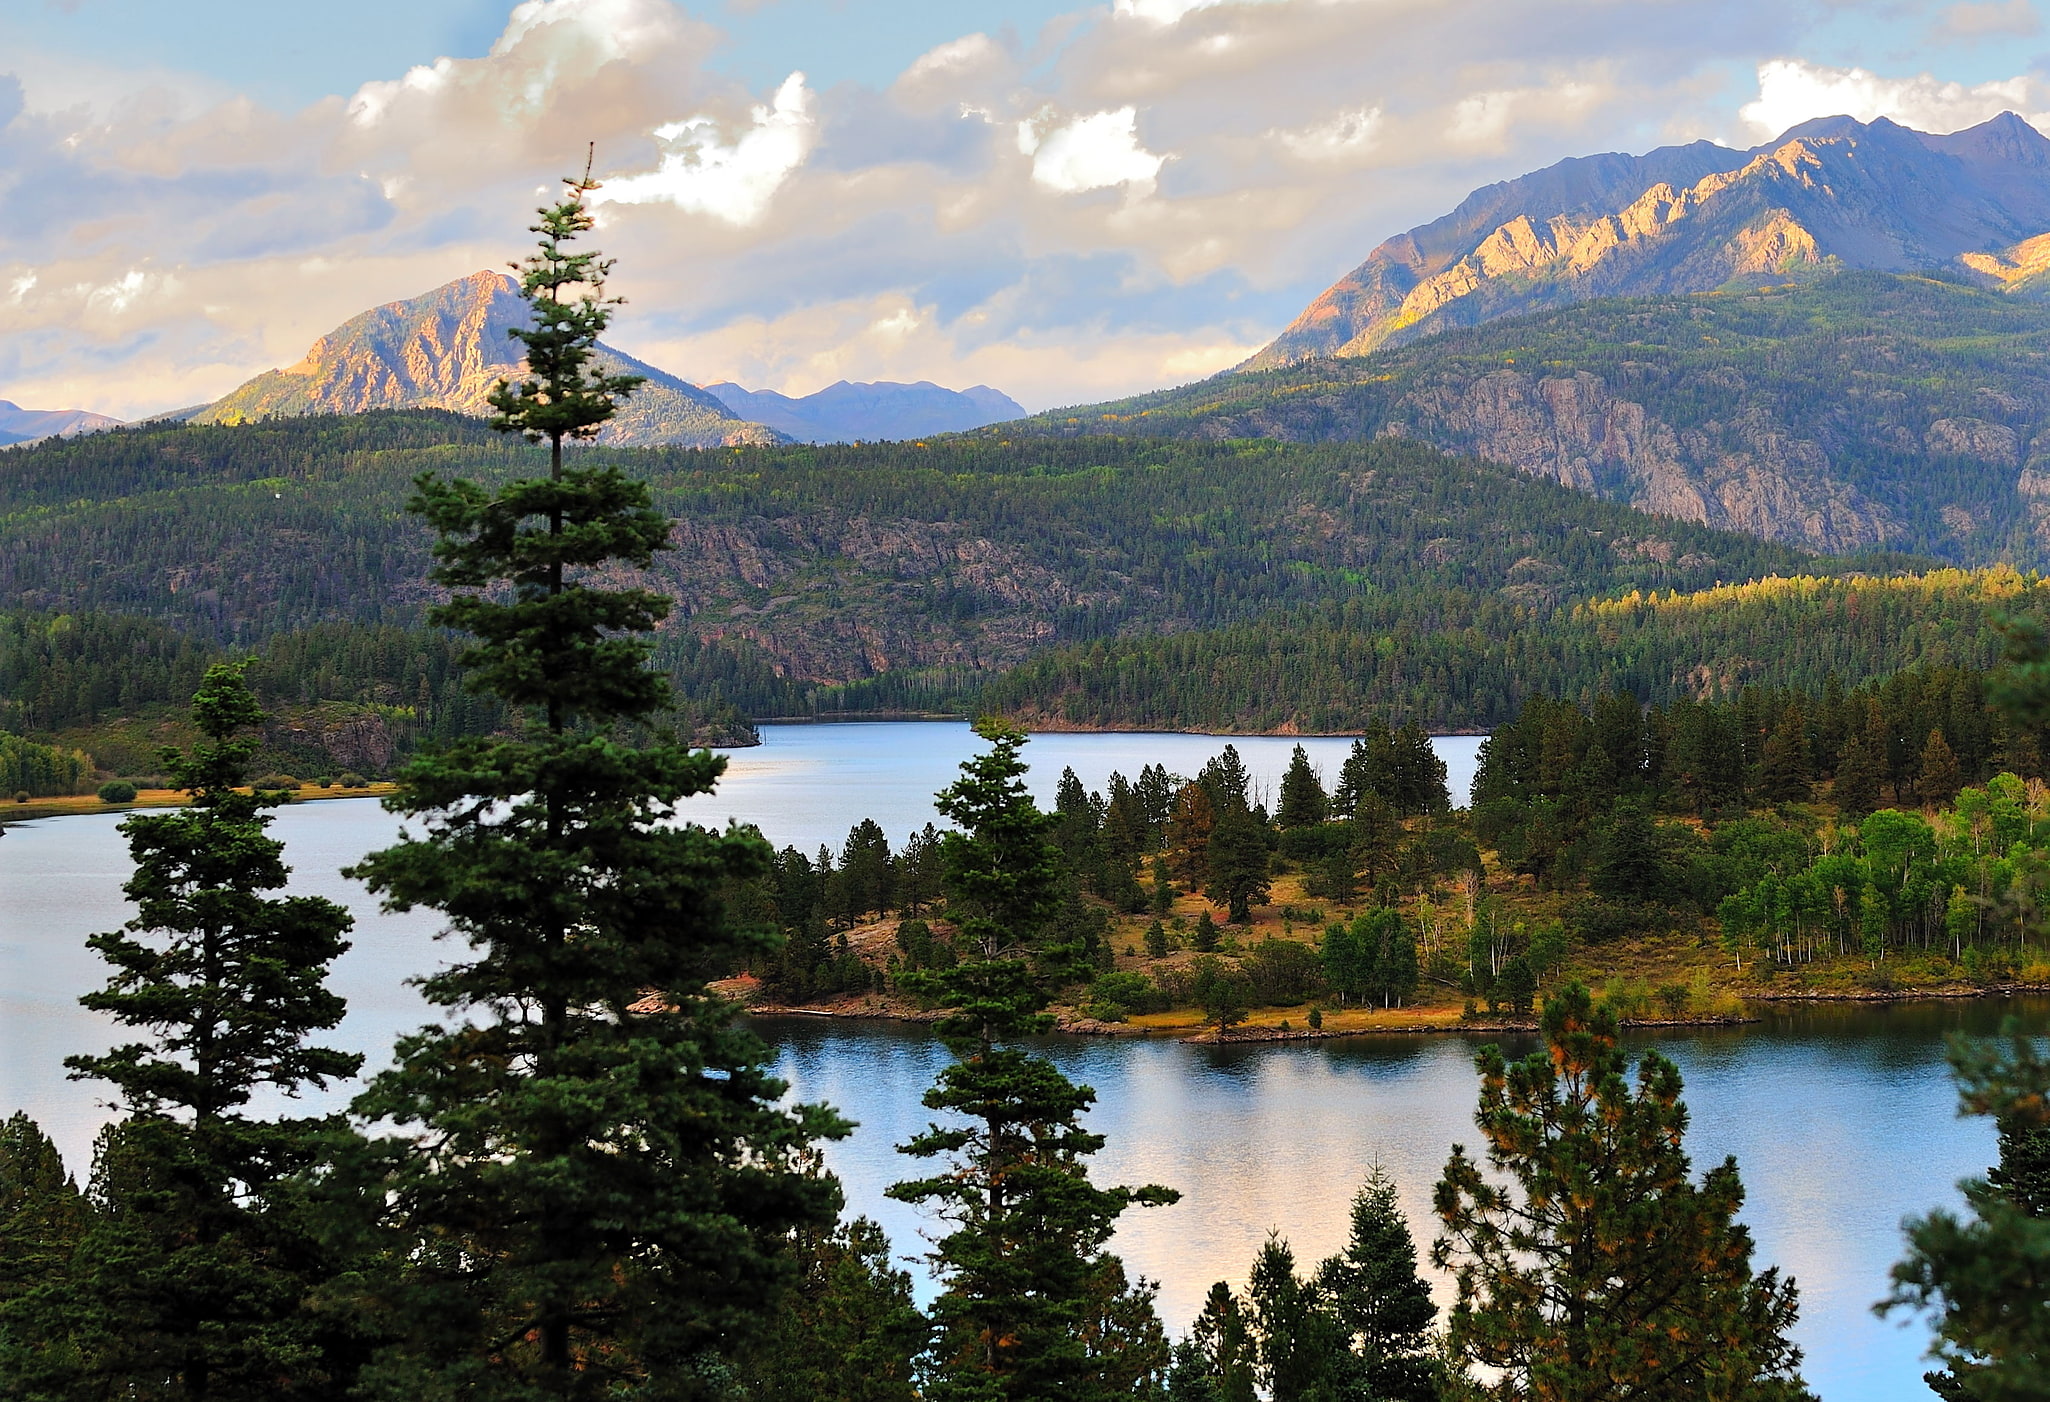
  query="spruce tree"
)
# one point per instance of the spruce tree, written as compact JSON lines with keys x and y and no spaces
{"x":1986,"y":1276}
{"x":845,"y":1327}
{"x":1589,"y":1263}
{"x":1303,"y":801}
{"x":1239,"y":864}
{"x":1025,"y":1281}
{"x":1218,"y":1361}
{"x":198,"y":1254}
{"x":1856,"y":787}
{"x":42,"y":1217}
{"x":1382,"y":1306}
{"x":594,"y":1179}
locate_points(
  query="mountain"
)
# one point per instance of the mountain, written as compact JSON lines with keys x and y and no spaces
{"x":888,"y":571}
{"x":882,"y":411}
{"x":1855,"y":411}
{"x":446,"y":349}
{"x":19,"y":425}
{"x":1829,"y":194}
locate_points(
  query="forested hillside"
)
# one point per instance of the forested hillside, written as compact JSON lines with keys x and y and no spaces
{"x":1087,"y":580}
{"x":1860,"y":411}
{"x":1474,"y":663}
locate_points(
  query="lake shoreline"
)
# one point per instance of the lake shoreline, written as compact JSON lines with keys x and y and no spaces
{"x":875,"y":1009}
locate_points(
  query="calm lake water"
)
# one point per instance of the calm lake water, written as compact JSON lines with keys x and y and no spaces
{"x":1842,"y":1120}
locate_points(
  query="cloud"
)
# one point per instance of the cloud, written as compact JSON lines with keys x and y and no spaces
{"x":1791,"y":91}
{"x":1090,"y":153}
{"x":1137,"y":193}
{"x":733,"y":183}
{"x":1969,"y":21}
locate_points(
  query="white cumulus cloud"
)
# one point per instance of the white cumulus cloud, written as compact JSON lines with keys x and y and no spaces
{"x":1090,"y":153}
{"x":702,"y":175}
{"x":1791,"y":91}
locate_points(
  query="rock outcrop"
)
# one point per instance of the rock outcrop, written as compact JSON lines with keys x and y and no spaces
{"x":1831,"y":193}
{"x":447,"y":349}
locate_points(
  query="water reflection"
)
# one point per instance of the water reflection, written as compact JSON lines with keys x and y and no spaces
{"x":1841,"y":1119}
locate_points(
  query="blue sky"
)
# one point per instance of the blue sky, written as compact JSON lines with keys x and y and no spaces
{"x":1064,"y":200}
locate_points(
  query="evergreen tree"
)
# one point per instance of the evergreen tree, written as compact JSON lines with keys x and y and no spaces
{"x":1589,"y":1264}
{"x":1382,"y":1306}
{"x":1189,"y":832}
{"x":1303,"y":801}
{"x":1229,"y":785}
{"x":1223,"y":993}
{"x":844,"y":1328}
{"x":599,"y":1182}
{"x":1239,"y":865}
{"x":1298,"y":1342}
{"x":1205,"y":938}
{"x":1026,"y":1284}
{"x":1986,"y":1276}
{"x":191,"y":1271}
{"x":1783,"y":771}
{"x":42,"y":1217}
{"x":1162,"y":901}
{"x":1156,"y":941}
{"x":1630,"y":867}
{"x":1939,"y":780}
{"x":1856,"y":790}
{"x":1219,"y":1360}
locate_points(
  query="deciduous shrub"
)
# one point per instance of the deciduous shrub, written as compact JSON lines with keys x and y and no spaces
{"x":117,"y":791}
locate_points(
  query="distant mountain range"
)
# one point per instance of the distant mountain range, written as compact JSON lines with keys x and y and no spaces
{"x":1829,"y":194}
{"x":882,"y":411}
{"x":19,"y":425}
{"x":446,"y":350}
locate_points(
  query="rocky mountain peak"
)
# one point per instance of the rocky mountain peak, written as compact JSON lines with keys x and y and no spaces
{"x":1833,"y":192}
{"x":447,"y":349}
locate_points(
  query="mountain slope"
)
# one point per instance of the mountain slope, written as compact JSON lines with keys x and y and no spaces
{"x":1832,"y":193}
{"x":19,"y":425}
{"x":446,"y":349}
{"x":839,"y":565}
{"x":878,"y":412}
{"x":1860,"y":410}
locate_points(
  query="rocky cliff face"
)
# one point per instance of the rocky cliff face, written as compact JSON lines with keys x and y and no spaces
{"x":1829,"y":194}
{"x":447,"y":349}
{"x":1856,"y":411}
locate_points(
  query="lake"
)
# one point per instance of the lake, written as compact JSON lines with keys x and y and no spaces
{"x":1842,"y":1119}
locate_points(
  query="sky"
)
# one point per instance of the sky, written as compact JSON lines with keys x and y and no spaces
{"x":1067,"y":202}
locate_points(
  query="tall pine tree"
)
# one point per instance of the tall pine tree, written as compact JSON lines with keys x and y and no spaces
{"x":1589,"y":1263}
{"x":195,"y":1261}
{"x":595,"y":1176}
{"x":1031,"y":1306}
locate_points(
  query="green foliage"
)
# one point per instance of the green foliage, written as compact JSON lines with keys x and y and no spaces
{"x":594,"y":1185}
{"x":1031,"y":1306}
{"x":1982,"y":1275}
{"x":38,"y":771}
{"x":117,"y":791}
{"x":845,"y":1327}
{"x":198,"y":1254}
{"x":1588,"y":1262}
{"x":41,"y":1217}
{"x":1359,"y":1326}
